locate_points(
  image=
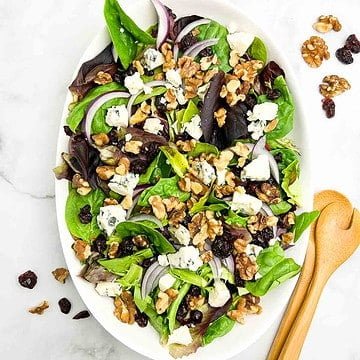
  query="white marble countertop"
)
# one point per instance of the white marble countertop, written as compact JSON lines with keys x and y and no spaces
{"x":41,"y":42}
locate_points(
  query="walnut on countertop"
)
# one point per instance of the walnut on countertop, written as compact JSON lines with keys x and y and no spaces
{"x":333,"y":85}
{"x":327,"y":23}
{"x":314,"y":51}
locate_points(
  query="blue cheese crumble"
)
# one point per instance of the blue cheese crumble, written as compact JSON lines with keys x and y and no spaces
{"x":187,"y":257}
{"x":117,"y":116}
{"x":124,"y":184}
{"x":109,"y":217}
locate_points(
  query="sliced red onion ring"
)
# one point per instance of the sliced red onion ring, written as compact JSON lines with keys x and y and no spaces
{"x":229,"y":264}
{"x":265,"y":209}
{"x":163,"y":22}
{"x":190,"y":27}
{"x":154,"y":272}
{"x":132,"y":207}
{"x":215,"y":265}
{"x":94,"y":107}
{"x":144,"y":217}
{"x":194,"y":50}
{"x":133,"y":97}
{"x":176,"y":52}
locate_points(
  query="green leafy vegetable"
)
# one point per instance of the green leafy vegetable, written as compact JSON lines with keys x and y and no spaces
{"x":286,"y":110}
{"x":291,"y":183}
{"x":122,"y":39}
{"x":159,"y":168}
{"x":120,"y":266}
{"x":218,"y":328}
{"x":78,"y":111}
{"x":74,"y":203}
{"x":141,"y":303}
{"x":222,"y":48}
{"x":257,"y":50}
{"x":160,"y":243}
{"x":189,"y":276}
{"x":175,"y":306}
{"x":280,"y":208}
{"x":132,"y":277}
{"x":275,"y":269}
{"x":234,"y":219}
{"x":185,"y":117}
{"x":164,"y":188}
{"x":203,"y":148}
{"x":282,"y":144}
{"x":287,"y":157}
{"x":303,"y":221}
{"x":176,"y":159}
{"x":155,"y":92}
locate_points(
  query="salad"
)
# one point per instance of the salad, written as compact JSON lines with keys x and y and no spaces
{"x":184,"y":193}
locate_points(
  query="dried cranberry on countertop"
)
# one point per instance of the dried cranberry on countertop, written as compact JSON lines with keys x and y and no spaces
{"x":329,"y":107}
{"x":82,"y":315}
{"x":64,"y":305}
{"x":353,"y":44}
{"x":28,"y":279}
{"x":344,"y":55}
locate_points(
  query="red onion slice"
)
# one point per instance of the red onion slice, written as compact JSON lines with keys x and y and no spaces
{"x":154,"y":272}
{"x":163,"y":22}
{"x":144,"y":217}
{"x":176,"y":52}
{"x":229,"y":264}
{"x":194,"y":50}
{"x":265,"y":210}
{"x":215,"y":265}
{"x":95,"y":106}
{"x":190,"y":27}
{"x":132,"y":207}
{"x":133,"y":97}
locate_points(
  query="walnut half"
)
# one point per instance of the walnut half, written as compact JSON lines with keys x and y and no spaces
{"x":314,"y":51}
{"x":125,"y":309}
{"x":247,"y":304}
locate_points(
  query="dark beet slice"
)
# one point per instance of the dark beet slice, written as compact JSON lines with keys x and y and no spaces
{"x":64,"y":305}
{"x":28,"y":279}
{"x":82,"y":315}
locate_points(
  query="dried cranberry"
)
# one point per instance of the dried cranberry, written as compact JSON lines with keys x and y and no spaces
{"x":196,"y":316}
{"x":222,"y":247}
{"x":194,"y":291}
{"x":278,"y":157}
{"x":28,"y":279}
{"x":141,"y":319}
{"x":81,"y":315}
{"x":138,"y":166}
{"x":273,"y":94}
{"x":64,"y":305}
{"x":239,"y":282}
{"x":206,"y":52}
{"x":250,"y":101}
{"x":85,"y":215}
{"x":126,"y":247}
{"x":186,"y":220}
{"x":150,"y":151}
{"x":160,"y":104}
{"x":344,"y":55}
{"x":165,"y":232}
{"x":262,"y":238}
{"x":131,"y":70}
{"x":328,"y":106}
{"x":149,"y":72}
{"x":148,"y":262}
{"x":182,"y":313}
{"x":353,"y":44}
{"x":68,"y":131}
{"x":187,"y":41}
{"x":99,"y":244}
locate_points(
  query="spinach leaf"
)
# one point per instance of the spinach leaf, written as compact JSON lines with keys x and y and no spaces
{"x":218,"y":328}
{"x":280,"y":208}
{"x":197,"y":207}
{"x":203,"y":148}
{"x":189,"y":276}
{"x":132,"y":277}
{"x":284,"y":143}
{"x":120,"y":266}
{"x":175,"y":306}
{"x":158,"y":323}
{"x":164,"y":188}
{"x":291,"y":183}
{"x":286,"y":110}
{"x":211,"y":207}
{"x":158,"y":169}
{"x":186,"y":116}
{"x":222,"y":48}
{"x":275,"y":269}
{"x":303,"y":221}
{"x":122,"y":39}
{"x":74,"y":203}
{"x":176,"y":159}
{"x":234,"y":219}
{"x":98,"y":124}
{"x":257,"y":50}
{"x":160,"y":243}
{"x":78,"y":111}
{"x":155,"y":92}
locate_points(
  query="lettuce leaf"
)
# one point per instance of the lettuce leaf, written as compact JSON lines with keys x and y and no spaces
{"x":303,"y":221}
{"x":177,"y":160}
{"x":132,"y":277}
{"x":291,"y":184}
{"x":257,"y":50}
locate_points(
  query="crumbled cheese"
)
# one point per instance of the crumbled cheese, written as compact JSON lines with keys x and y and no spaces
{"x":153,"y":58}
{"x":128,"y":137}
{"x":193,"y":128}
{"x":109,"y":217}
{"x":252,"y":249}
{"x":273,"y":241}
{"x":219,"y":294}
{"x":257,"y":276}
{"x":180,"y":96}
{"x":180,"y":336}
{"x":266,"y":111}
{"x":153,"y":125}
{"x":221,"y":176}
{"x":134,"y":83}
{"x":174,"y":78}
{"x":240,"y":41}
{"x":182,"y":234}
{"x":258,"y":169}
{"x":166,"y":282}
{"x":108,"y":288}
{"x":247,"y":204}
{"x":187,"y":257}
{"x":124,"y":184}
{"x":206,"y":172}
{"x":117,"y":116}
{"x":202,"y":91}
{"x":163,"y":260}
{"x":256,"y":128}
